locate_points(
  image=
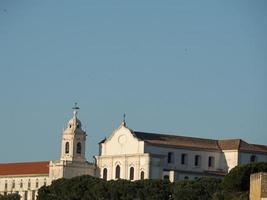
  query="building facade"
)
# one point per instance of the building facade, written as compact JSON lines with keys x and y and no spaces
{"x":26,"y":178}
{"x":134,"y":155}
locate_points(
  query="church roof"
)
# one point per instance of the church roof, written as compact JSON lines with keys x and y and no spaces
{"x":24,"y":168}
{"x":199,"y":143}
{"x":175,"y":140}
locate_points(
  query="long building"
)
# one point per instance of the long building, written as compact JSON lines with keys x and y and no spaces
{"x":132,"y":155}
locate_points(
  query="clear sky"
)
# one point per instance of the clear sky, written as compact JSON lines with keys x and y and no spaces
{"x":193,"y":68}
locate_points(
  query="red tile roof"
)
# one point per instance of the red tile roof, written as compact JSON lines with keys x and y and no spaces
{"x":24,"y":168}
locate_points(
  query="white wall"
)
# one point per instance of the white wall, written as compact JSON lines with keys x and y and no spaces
{"x":41,"y":179}
{"x":244,"y":157}
{"x":122,"y":142}
{"x":190,"y":166}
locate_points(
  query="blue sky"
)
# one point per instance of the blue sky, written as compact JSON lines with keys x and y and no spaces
{"x":193,"y":68}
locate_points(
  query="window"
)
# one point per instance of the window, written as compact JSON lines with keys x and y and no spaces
{"x":45,"y":182}
{"x":21,"y":183}
{"x":142,"y":176}
{"x":184,"y":159}
{"x":67,"y":147}
{"x":105,"y":174}
{"x":5,"y":184}
{"x":29,"y":183}
{"x":170,"y":157}
{"x":131,"y":173}
{"x":33,"y":195}
{"x":211,"y":161}
{"x":26,"y":195}
{"x":197,"y":160}
{"x":186,"y":178}
{"x":253,"y":158}
{"x":13,"y":184}
{"x":79,"y":148}
{"x":37,"y":183}
{"x":118,"y":171}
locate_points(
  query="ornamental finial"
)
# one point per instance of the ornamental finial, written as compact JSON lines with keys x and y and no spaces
{"x":75,"y":108}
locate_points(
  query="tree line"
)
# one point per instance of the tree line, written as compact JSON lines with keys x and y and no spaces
{"x":234,"y":186}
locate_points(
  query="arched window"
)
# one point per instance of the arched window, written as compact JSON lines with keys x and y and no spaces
{"x":253,"y":158}
{"x":67,"y":147}
{"x":29,"y":183}
{"x":105,"y":174}
{"x":142,"y":175}
{"x":13,"y":184}
{"x":79,"y":148}
{"x":118,"y":171}
{"x":37,"y":183}
{"x":131,"y":173}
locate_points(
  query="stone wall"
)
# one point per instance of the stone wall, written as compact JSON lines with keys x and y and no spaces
{"x":258,"y":186}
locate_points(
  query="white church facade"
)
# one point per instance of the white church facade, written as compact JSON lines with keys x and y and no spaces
{"x":131,"y":155}
{"x":134,"y":155}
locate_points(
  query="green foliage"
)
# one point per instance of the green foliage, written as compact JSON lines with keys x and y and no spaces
{"x":153,"y":189}
{"x":234,"y":187}
{"x":200,"y":189}
{"x":238,"y":178}
{"x":10,"y":197}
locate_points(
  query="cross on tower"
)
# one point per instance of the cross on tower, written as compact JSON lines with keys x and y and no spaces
{"x":124,"y":118}
{"x":75,"y":107}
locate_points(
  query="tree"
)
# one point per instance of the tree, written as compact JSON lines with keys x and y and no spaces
{"x":200,"y":189}
{"x":238,"y":178}
{"x":14,"y":196}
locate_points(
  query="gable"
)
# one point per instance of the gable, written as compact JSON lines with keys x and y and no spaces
{"x":121,"y":141}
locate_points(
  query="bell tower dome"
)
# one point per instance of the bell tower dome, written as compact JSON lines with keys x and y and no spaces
{"x":73,"y":139}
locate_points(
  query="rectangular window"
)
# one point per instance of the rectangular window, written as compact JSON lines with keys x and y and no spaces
{"x":6,"y":185}
{"x":13,"y":184}
{"x":170,"y":157}
{"x":184,"y":159}
{"x":197,"y":160}
{"x":211,"y":161}
{"x":21,"y":183}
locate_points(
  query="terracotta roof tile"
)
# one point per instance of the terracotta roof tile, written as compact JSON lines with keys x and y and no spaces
{"x":24,"y":168}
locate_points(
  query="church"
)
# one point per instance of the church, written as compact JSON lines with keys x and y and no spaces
{"x":135,"y":155}
{"x":26,"y":178}
{"x":131,"y":155}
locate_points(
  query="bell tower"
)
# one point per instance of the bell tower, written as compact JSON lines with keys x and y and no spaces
{"x":73,"y":139}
